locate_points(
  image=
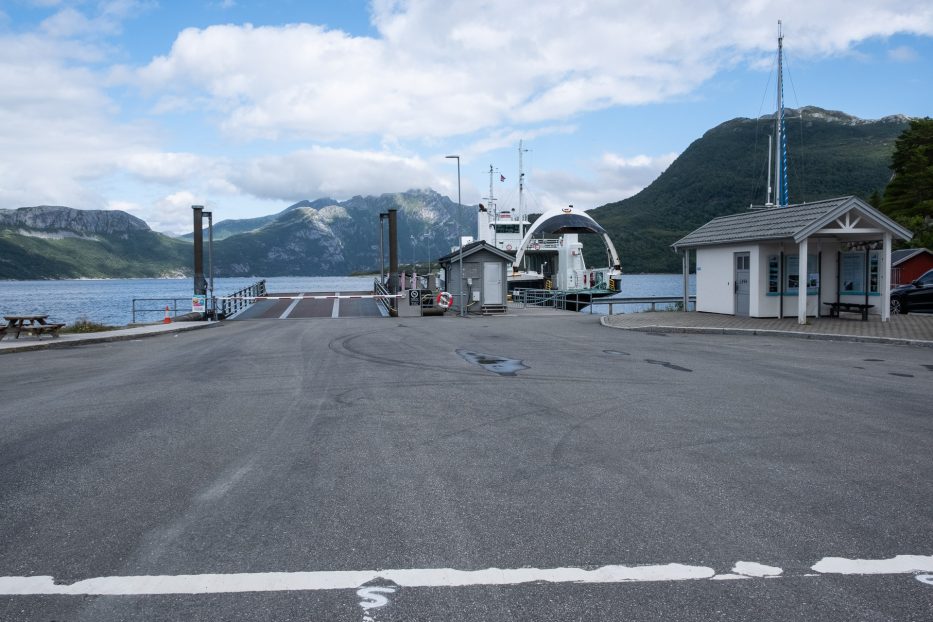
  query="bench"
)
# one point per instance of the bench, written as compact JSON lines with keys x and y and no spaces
{"x":32,"y":324}
{"x":41,"y":329}
{"x":853,"y":307}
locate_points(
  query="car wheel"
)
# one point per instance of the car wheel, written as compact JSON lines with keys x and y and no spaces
{"x":897,"y":308}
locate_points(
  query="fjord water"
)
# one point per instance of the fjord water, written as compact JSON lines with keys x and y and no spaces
{"x":110,"y":301}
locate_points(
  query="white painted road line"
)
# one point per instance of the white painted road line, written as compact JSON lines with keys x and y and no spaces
{"x":291,"y":307}
{"x":437,"y":577}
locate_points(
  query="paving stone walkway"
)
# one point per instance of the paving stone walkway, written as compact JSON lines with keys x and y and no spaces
{"x":913,"y":329}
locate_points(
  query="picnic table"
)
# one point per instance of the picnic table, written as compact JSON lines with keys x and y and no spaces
{"x":35,"y":325}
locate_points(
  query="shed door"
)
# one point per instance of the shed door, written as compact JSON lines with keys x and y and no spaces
{"x":492,"y":283}
{"x":742,"y":263}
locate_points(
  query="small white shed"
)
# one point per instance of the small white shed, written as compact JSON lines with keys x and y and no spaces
{"x":753,"y":264}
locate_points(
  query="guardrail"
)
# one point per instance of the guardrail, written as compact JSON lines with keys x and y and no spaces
{"x":170,"y":303}
{"x":239,"y":300}
{"x":676,"y":301}
{"x":560,"y":299}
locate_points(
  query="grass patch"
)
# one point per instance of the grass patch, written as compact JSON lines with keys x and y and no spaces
{"x":84,"y":325}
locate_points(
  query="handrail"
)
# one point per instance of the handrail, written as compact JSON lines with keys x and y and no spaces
{"x":652,"y":300}
{"x":239,"y":300}
{"x":173,"y":307}
{"x":559,"y":299}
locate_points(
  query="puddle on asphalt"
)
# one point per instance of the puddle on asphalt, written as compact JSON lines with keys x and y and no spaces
{"x":666,"y":364}
{"x":495,"y":364}
{"x":874,"y":360}
{"x":929,"y":367}
{"x":894,"y":373}
{"x":619,"y":352}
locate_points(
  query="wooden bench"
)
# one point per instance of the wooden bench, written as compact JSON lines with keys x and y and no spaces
{"x":32,"y":324}
{"x":853,"y":307}
{"x":42,"y":329}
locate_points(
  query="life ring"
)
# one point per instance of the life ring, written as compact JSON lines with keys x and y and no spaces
{"x":508,"y":247}
{"x":444,"y":300}
{"x":536,"y":246}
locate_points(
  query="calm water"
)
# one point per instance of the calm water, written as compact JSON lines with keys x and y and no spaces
{"x":110,"y":301}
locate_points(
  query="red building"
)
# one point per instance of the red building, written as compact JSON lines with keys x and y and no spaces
{"x":908,"y":264}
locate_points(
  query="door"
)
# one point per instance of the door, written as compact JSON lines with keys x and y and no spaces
{"x":742,"y":263}
{"x":492,"y":283}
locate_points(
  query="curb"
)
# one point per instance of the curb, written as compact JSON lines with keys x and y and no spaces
{"x":697,"y":330}
{"x":102,"y":337}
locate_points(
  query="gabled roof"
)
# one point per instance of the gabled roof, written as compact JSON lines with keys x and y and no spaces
{"x":474,"y":247}
{"x":904,"y":254}
{"x":794,"y":221}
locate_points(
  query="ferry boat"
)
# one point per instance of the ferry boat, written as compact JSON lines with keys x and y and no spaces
{"x":548,"y":253}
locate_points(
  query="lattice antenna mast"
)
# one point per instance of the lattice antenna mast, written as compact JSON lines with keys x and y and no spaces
{"x":780,"y":131}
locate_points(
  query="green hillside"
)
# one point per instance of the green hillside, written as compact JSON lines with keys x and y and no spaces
{"x":829,"y":154}
{"x":138,"y":254}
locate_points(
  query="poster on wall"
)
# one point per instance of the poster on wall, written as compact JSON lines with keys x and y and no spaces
{"x":852,"y":272}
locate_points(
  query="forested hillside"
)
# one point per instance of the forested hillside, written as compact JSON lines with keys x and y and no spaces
{"x":723,"y":172}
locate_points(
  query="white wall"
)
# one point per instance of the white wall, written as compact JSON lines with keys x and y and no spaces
{"x":715,"y":271}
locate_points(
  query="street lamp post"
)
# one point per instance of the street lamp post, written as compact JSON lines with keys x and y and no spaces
{"x":459,"y":236}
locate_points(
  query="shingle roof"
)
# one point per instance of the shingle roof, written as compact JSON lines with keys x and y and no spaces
{"x":779,"y":223}
{"x":906,"y":253}
{"x":475,"y":247}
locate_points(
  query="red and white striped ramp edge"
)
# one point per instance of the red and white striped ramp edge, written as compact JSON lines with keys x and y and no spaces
{"x":331,"y":297}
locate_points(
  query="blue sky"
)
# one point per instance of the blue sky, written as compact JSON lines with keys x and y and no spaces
{"x":246,"y":107}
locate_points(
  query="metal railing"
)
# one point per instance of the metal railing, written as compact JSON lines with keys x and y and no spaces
{"x":672,"y":301}
{"x":239,"y":300}
{"x":562,"y":300}
{"x":163,"y":303}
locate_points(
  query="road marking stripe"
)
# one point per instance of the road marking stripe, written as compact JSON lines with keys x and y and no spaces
{"x":436,"y":577}
{"x":291,"y":307}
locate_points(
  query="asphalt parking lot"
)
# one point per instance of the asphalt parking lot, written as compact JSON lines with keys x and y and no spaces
{"x":504,"y":468}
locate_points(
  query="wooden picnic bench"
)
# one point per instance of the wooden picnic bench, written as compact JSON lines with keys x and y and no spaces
{"x":35,"y":325}
{"x":853,"y":307}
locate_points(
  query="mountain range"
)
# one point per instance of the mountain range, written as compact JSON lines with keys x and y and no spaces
{"x":722,"y":172}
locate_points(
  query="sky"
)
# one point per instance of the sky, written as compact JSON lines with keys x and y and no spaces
{"x":246,"y":107}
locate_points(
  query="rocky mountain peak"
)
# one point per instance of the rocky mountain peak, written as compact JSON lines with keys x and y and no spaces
{"x":59,"y":218}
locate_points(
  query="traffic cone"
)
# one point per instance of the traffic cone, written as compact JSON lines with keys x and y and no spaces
{"x":167,"y":320}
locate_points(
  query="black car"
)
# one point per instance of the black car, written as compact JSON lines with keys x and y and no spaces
{"x":918,"y":296}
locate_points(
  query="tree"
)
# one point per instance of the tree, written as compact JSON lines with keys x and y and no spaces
{"x":909,"y":197}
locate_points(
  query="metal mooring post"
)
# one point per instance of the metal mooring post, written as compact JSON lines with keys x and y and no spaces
{"x":200,"y":285}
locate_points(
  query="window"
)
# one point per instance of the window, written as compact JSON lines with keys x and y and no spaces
{"x":507,"y":229}
{"x":792,"y":274}
{"x":852,"y":273}
{"x":772,"y":274}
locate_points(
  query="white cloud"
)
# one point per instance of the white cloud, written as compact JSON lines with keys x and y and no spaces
{"x":57,"y":133}
{"x":337,"y":173}
{"x":442,"y":69}
{"x":166,"y":168}
{"x":903,"y":54}
{"x":435,"y":73}
{"x":615,"y":178}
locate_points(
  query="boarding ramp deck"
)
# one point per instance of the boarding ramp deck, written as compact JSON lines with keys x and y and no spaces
{"x":305,"y":305}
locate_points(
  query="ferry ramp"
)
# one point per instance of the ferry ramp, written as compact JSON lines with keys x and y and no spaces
{"x":306,"y":305}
